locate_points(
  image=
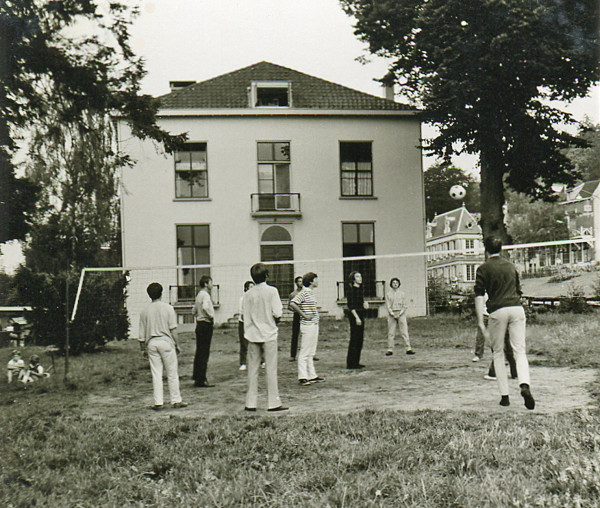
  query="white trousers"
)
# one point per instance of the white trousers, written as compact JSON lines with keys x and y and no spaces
{"x":512,"y":318}
{"x":309,"y":336}
{"x":161,"y":353}
{"x":397,"y":323}
{"x":254,"y":358}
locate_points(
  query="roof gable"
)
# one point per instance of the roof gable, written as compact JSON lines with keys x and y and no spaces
{"x":584,"y":190}
{"x":230,"y":91}
{"x":457,"y":221}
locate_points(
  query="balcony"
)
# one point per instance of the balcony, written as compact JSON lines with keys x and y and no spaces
{"x":276,"y":205}
{"x":184,"y":296}
{"x":374,"y":291}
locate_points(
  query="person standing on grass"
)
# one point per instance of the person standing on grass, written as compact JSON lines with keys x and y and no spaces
{"x":395,"y":303}
{"x":243,"y":342}
{"x":295,"y":319}
{"x":204,"y":313}
{"x":158,"y":342}
{"x":262,"y":311}
{"x":499,"y":278}
{"x":305,"y":305}
{"x":356,"y":315}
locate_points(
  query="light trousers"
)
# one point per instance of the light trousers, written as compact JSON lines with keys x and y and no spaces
{"x":513,"y":319}
{"x":254,"y":354}
{"x":309,"y":336}
{"x":399,"y":324}
{"x":161,"y":353}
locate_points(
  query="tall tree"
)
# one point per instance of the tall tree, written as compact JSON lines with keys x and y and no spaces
{"x":42,"y":60}
{"x":483,"y":71}
{"x":438,"y":181}
{"x":587,"y":159}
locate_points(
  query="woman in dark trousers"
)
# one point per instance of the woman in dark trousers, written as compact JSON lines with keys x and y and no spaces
{"x":356,"y":315}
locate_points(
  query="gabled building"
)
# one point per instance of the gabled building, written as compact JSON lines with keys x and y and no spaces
{"x":279,"y":165}
{"x":455,"y":247}
{"x":582,"y":212}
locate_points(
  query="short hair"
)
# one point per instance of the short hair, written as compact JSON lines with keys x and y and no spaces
{"x":204,"y":280}
{"x":247,"y":285}
{"x":393,"y":279}
{"x":307,"y":278}
{"x":298,"y":277}
{"x":259,"y":272}
{"x":34,"y":359}
{"x":493,"y":244}
{"x":351,"y":277}
{"x":154,"y":290}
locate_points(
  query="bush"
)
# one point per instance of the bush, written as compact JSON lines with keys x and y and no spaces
{"x":575,"y":300}
{"x":438,"y":294}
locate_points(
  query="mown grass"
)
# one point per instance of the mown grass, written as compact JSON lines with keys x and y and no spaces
{"x":53,"y":455}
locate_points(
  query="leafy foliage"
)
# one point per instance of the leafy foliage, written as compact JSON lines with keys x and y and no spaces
{"x":438,"y":180}
{"x":483,"y":72}
{"x":587,"y":159}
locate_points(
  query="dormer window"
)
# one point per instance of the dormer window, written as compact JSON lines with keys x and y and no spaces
{"x":271,"y":94}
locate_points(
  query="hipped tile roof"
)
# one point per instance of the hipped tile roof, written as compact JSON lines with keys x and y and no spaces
{"x":455,"y":221}
{"x":308,"y":92}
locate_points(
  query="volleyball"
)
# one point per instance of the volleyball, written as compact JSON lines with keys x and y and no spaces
{"x":457,"y":192}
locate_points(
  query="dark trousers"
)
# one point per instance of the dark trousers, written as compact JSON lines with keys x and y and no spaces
{"x":510,"y":358}
{"x":204,"y":332}
{"x":356,"y":342}
{"x":243,"y":343}
{"x":295,"y":335}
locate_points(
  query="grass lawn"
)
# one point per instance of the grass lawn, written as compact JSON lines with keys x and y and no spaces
{"x":56,"y":450}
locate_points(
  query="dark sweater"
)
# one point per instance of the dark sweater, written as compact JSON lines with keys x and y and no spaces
{"x":356,"y":299}
{"x":499,"y":278}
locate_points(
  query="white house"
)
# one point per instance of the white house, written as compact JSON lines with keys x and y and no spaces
{"x":279,"y":165}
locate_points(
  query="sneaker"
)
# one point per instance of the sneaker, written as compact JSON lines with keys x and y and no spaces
{"x":315,"y":359}
{"x":475,"y":358}
{"x":389,"y":353}
{"x":504,"y":400}
{"x":263,"y":365}
{"x":489,"y":378}
{"x":410,"y":352}
{"x":527,"y":397}
{"x":278,"y":408}
{"x":156,"y":407}
{"x":304,"y":382}
{"x":243,"y":367}
{"x":178,"y":405}
{"x":292,"y":359}
{"x":316,"y":380}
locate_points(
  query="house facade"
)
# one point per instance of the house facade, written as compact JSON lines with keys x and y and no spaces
{"x":455,"y":247}
{"x":280,"y":167}
{"x":582,"y":213}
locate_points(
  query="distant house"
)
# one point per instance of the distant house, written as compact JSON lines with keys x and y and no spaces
{"x":454,"y":243}
{"x":279,"y":166}
{"x":582,"y":212}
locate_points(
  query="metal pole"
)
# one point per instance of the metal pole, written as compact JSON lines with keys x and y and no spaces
{"x":67,"y":325}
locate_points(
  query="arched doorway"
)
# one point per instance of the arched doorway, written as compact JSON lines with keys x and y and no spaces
{"x":276,"y":245}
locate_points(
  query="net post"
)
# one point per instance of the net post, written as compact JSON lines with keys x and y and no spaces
{"x":76,"y":303}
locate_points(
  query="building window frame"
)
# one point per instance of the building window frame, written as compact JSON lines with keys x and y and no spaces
{"x":356,"y":169}
{"x":192,"y":248}
{"x":271,"y":94}
{"x":191,"y":171}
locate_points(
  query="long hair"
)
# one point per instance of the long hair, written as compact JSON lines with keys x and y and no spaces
{"x":351,"y":280}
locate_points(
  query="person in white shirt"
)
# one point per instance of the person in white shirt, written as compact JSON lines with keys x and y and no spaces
{"x":395,"y":303}
{"x":158,"y":341}
{"x":262,"y":311}
{"x":305,"y":305}
{"x":243,"y":342}
{"x":16,"y":366}
{"x":204,"y":313}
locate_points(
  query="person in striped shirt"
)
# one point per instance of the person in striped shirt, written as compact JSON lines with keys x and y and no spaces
{"x":305,"y":304}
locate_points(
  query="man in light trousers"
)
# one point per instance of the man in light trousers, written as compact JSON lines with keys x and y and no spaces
{"x":499,"y":278}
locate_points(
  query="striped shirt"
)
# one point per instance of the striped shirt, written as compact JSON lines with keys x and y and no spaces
{"x":305,"y":299}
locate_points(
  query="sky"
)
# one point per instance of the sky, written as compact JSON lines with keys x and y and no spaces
{"x":200,"y":39}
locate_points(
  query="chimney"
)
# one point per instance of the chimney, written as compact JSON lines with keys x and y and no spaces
{"x":178,"y":85}
{"x":387,"y":83}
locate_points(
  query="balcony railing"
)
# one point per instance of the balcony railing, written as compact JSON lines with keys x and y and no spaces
{"x":186,"y":295}
{"x":374,"y":291}
{"x":277,"y":204}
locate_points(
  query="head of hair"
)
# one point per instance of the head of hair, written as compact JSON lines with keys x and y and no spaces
{"x":298,"y":278}
{"x":154,"y":290}
{"x":493,"y":244}
{"x":247,"y":285}
{"x":352,"y":276}
{"x":204,"y":280}
{"x":35,"y":359}
{"x":307,"y":278}
{"x":394,"y":279}
{"x":259,"y":272}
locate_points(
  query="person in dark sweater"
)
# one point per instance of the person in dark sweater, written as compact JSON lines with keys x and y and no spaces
{"x":356,"y":315}
{"x":499,"y":278}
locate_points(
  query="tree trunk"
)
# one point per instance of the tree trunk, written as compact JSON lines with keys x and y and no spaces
{"x":492,"y":194}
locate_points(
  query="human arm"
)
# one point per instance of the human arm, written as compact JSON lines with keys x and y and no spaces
{"x":276,"y":306}
{"x":142,"y":336}
{"x":207,"y":305}
{"x":296,"y":308}
{"x":479,"y":313}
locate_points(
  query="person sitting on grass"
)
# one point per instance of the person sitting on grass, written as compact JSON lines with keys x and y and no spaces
{"x":16,"y":366}
{"x":34,"y":371}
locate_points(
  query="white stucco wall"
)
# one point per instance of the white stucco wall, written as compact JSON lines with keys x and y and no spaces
{"x":150,"y":211}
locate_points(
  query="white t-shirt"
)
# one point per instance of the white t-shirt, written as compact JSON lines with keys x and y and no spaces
{"x":261,"y":305}
{"x":157,"y":320}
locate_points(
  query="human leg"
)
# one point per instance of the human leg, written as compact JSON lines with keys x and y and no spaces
{"x":295,"y":335}
{"x":253,"y":365}
{"x":353,"y":356}
{"x":403,"y":327}
{"x":204,"y":332}
{"x":312,"y":335}
{"x":479,"y":344}
{"x":304,"y":351}
{"x":510,"y":356}
{"x":273,"y":399}
{"x":169,"y":359}
{"x":517,"y":331}
{"x":156,"y":368}
{"x":243,"y":343}
{"x":497,"y":324}
{"x":392,"y":323}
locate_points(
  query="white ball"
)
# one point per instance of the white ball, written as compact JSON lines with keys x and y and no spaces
{"x":457,"y":192}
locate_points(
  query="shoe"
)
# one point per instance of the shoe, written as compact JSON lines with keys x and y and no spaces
{"x":249,"y":408}
{"x":475,"y":358}
{"x":278,"y":408}
{"x":292,"y":359}
{"x":504,"y":401}
{"x":527,"y":397}
{"x":355,"y":367}
{"x":178,"y":405}
{"x":304,"y":382}
{"x":315,"y":359}
{"x":489,"y":378}
{"x":156,"y":407}
{"x":389,"y":353}
{"x":203,"y":385}
{"x":316,"y":380}
{"x":263,"y":365}
{"x":243,"y":367}
{"x":410,"y":352}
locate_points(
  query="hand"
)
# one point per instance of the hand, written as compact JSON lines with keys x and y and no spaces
{"x":145,"y":354}
{"x":177,"y":348}
{"x":358,"y":322}
{"x":366,"y":305}
{"x":484,"y":332}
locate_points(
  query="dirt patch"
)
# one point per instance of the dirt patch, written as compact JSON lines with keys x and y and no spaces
{"x":440,"y":379}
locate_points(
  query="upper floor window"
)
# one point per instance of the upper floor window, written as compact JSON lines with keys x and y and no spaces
{"x":193,"y":248}
{"x":356,"y":167}
{"x":274,"y":94}
{"x":191,"y":171}
{"x":274,"y":175}
{"x":469,"y":244}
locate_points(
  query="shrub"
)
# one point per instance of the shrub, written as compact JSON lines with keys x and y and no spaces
{"x":574,"y":301}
